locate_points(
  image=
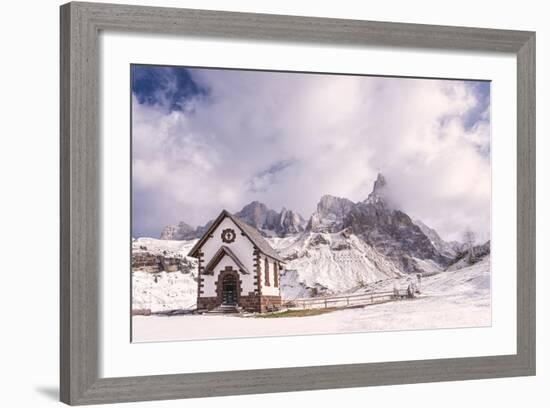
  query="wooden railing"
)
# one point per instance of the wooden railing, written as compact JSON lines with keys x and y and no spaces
{"x":345,"y":300}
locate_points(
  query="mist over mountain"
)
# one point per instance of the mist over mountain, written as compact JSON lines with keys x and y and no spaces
{"x":446,"y":248}
{"x":392,"y":232}
{"x":409,"y":245}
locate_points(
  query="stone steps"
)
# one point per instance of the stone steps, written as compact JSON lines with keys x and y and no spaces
{"x":224,"y":309}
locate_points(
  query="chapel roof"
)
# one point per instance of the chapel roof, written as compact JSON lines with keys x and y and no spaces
{"x":219,"y":255}
{"x":252,"y":233}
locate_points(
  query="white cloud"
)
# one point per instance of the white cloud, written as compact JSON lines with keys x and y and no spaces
{"x":333,"y":132}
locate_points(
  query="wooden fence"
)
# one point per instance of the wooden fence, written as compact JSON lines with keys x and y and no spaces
{"x":345,"y":300}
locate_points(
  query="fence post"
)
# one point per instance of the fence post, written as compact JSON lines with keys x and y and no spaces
{"x":347,"y":300}
{"x":325,"y":303}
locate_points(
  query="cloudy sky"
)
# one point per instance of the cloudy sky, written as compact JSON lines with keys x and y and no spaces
{"x":207,"y":139}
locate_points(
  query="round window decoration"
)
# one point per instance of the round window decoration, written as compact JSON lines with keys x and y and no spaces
{"x":228,"y":235}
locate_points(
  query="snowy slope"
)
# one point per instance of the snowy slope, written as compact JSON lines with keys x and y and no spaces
{"x":449,"y":300}
{"x":427,"y":266}
{"x":163,"y":291}
{"x":331,"y":263}
{"x":473,"y":279}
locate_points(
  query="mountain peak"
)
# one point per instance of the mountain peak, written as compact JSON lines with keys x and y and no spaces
{"x":261,"y":217}
{"x":257,"y":214}
{"x":331,"y":198}
{"x":379,"y":184}
{"x":377,"y":194}
{"x":254,"y":204}
{"x":329,"y":204}
{"x":330,"y":214}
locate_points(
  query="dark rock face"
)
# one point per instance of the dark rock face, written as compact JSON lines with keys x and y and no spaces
{"x":330,"y":214}
{"x":482,"y":250}
{"x":391,"y":231}
{"x":289,"y":222}
{"x":472,"y":256}
{"x":259,"y":216}
{"x":317,"y":240}
{"x":199,"y":232}
{"x":154,"y":263}
{"x":388,"y":230}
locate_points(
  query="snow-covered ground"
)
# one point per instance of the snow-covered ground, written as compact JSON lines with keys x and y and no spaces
{"x":330,"y":262}
{"x":327,"y":263}
{"x":449,"y":300}
{"x":163,"y":246}
{"x":164,"y":291}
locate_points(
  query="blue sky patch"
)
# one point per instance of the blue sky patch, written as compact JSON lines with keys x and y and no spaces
{"x":169,"y":87}
{"x":482,"y":91}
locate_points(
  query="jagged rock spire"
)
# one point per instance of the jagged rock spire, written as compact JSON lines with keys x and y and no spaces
{"x":379,"y":184}
{"x":376,"y":196}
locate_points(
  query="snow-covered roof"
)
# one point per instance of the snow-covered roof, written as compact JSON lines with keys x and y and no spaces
{"x":250,"y":232}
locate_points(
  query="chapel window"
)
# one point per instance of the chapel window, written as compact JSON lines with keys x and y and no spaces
{"x":266,"y":271}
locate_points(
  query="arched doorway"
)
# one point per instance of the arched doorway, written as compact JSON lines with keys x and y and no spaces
{"x":229,"y":289}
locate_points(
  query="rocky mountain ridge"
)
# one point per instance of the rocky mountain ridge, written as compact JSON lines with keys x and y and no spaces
{"x":387,"y":229}
{"x":330,"y":214}
{"x":269,"y":222}
{"x":411,"y":245}
{"x":283,"y":223}
{"x":392,"y":232}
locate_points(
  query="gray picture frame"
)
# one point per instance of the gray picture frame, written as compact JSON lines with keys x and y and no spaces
{"x":80,"y":237}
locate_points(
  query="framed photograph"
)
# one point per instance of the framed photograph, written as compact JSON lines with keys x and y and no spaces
{"x":261,"y":203}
